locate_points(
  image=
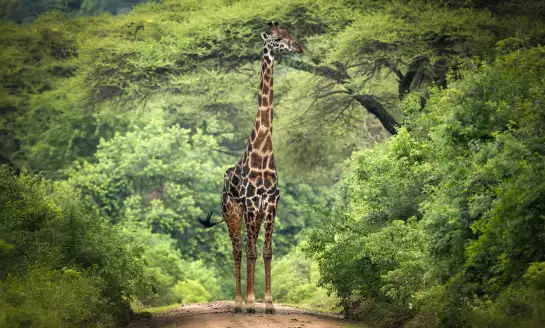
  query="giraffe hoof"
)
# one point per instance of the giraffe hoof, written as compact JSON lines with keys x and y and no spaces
{"x":269,"y":310}
{"x":237,"y":309}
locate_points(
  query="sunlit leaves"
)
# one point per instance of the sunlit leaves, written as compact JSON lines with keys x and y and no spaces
{"x":470,"y":168}
{"x":163,"y":178}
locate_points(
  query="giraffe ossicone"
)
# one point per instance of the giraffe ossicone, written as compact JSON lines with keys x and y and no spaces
{"x":250,"y":187}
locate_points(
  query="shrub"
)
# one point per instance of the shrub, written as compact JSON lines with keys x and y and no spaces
{"x":190,"y":291}
{"x":57,"y":249}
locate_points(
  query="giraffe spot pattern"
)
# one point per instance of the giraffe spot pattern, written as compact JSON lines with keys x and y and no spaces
{"x":265,"y":87}
{"x":267,"y":145}
{"x":264,"y":101}
{"x":265,"y":118}
{"x":261,"y":134}
{"x":256,"y":160}
{"x":271,"y":163}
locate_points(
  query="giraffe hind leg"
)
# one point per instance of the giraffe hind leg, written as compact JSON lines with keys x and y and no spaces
{"x":234,"y":224}
{"x":267,"y":258}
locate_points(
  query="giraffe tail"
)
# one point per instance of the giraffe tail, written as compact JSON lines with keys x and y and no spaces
{"x":207,"y":223}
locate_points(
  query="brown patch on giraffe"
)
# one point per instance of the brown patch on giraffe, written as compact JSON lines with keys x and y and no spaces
{"x":264,"y":101}
{"x":267,"y":145}
{"x":255,"y":160}
{"x":261,"y":190}
{"x":265,"y":89}
{"x":252,"y":136}
{"x":250,"y":190}
{"x":267,"y":59}
{"x":266,"y":118}
{"x":271,"y":163}
{"x":269,"y":178}
{"x":261,"y":135}
{"x":265,"y":161}
{"x":253,"y":177}
{"x":245,"y":170}
{"x":235,"y":180}
{"x":261,"y":85}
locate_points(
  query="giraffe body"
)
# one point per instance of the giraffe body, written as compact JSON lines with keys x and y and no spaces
{"x":251,"y":186}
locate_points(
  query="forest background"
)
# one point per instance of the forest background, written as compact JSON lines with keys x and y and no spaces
{"x":409,"y":140}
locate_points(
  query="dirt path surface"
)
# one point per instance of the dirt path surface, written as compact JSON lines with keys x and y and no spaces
{"x":218,"y":315}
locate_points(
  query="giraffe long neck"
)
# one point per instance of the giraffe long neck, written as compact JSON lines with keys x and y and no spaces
{"x":261,"y":137}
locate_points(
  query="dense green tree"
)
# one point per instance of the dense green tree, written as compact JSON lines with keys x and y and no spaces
{"x":447,"y":218}
{"x":360,"y":59}
{"x":136,"y":114}
{"x":160,"y":178}
{"x":60,"y":264}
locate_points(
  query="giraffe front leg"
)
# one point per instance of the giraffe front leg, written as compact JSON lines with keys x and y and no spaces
{"x":267,"y":258}
{"x":253,"y":223}
{"x":234,"y":224}
{"x":237,"y":256}
{"x":238,"y":297}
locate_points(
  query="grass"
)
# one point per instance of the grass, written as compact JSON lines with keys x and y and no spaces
{"x":150,"y":311}
{"x":314,"y":308}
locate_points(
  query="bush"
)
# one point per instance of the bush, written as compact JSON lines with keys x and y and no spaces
{"x":52,"y":298}
{"x":440,"y":223}
{"x":295,"y":282}
{"x":57,"y":254}
{"x":190,"y":291}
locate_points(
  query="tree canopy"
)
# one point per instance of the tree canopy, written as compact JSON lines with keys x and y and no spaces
{"x":408,"y":140}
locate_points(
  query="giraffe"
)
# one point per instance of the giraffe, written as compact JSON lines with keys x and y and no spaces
{"x":250,"y":187}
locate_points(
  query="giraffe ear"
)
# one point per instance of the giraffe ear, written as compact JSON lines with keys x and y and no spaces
{"x":270,"y":24}
{"x":276,"y":23}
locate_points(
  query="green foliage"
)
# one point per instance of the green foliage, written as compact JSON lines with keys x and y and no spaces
{"x":190,"y":291}
{"x":61,"y":256}
{"x":67,"y":82}
{"x":46,"y":298}
{"x":163,"y":266}
{"x":443,"y":221}
{"x":295,"y":282}
{"x":159,"y":178}
{"x":137,"y":116}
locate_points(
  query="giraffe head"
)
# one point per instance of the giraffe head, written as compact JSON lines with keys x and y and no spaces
{"x":278,"y":41}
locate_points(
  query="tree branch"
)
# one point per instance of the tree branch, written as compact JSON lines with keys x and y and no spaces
{"x":338,"y":74}
{"x":370,"y":103}
{"x":374,"y":107}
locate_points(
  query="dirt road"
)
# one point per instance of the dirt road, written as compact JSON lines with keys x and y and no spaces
{"x":218,"y":315}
